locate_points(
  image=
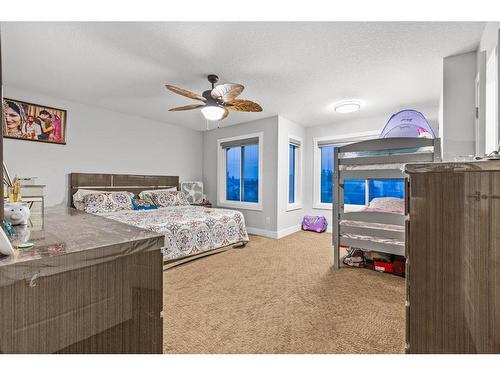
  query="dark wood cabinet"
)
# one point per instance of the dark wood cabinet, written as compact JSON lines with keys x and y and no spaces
{"x":89,"y":285}
{"x":453,"y":258}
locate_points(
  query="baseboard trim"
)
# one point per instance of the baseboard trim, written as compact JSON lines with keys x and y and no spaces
{"x":274,"y":234}
{"x":287,"y":231}
{"x":262,"y":232}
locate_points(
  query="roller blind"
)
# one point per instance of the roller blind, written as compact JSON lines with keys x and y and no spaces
{"x":294,"y":142}
{"x":240,"y":142}
{"x":325,"y":143}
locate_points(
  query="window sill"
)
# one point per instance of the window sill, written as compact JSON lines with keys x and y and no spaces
{"x":241,"y":205}
{"x":323,"y":206}
{"x":293,"y":207}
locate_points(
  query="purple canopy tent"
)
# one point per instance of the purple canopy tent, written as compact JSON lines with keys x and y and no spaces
{"x":407,"y":123}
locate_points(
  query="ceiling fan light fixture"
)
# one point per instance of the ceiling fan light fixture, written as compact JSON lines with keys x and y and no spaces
{"x":347,"y":106}
{"x":212,"y":112}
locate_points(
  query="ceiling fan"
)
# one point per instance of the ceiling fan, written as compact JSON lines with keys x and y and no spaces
{"x":218,"y":101}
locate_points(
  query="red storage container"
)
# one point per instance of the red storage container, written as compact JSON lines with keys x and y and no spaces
{"x":398,"y":265}
{"x":383,"y":266}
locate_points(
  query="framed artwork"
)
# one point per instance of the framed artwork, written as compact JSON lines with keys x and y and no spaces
{"x":33,"y":122}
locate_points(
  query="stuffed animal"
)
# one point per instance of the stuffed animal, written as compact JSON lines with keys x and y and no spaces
{"x":17,"y":213}
{"x":23,"y":233}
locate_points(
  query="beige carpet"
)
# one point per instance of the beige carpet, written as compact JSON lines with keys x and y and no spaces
{"x":281,"y":296}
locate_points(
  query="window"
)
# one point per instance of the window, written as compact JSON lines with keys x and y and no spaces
{"x":327,"y":173}
{"x":394,"y":188}
{"x":240,"y":171}
{"x":294,"y":198}
{"x":291,"y":173}
{"x":356,"y":192}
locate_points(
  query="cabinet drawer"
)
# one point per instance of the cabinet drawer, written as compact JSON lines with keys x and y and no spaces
{"x":50,"y":313}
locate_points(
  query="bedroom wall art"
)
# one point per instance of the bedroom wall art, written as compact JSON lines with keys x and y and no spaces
{"x":33,"y":122}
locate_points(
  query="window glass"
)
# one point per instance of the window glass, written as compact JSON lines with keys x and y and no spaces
{"x":326,"y":174}
{"x":354,"y":192}
{"x":250,"y":168}
{"x":291,"y":174}
{"x":233,"y":173}
{"x":386,"y":188}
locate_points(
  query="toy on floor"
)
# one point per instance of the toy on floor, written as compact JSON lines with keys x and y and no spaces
{"x":314,"y":223}
{"x":355,"y":258}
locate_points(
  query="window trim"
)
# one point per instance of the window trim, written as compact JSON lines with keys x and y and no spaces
{"x":221,"y":175}
{"x":344,"y":138}
{"x":297,"y":205}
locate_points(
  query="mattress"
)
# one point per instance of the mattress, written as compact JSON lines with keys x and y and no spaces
{"x":188,"y":230}
{"x":362,"y":224}
{"x":372,"y":167}
{"x":374,"y":239}
{"x":387,"y":152}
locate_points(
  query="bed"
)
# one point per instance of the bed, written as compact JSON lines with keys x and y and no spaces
{"x":190,"y":231}
{"x":381,"y":225}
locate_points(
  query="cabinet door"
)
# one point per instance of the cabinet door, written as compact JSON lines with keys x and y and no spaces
{"x":481,"y":261}
{"x":475,"y":258}
{"x":435,"y":257}
{"x":454,"y":258}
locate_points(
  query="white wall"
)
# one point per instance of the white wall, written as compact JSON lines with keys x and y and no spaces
{"x":288,"y":220}
{"x":259,"y":222}
{"x":99,"y":140}
{"x":490,"y":89}
{"x":458,"y":128}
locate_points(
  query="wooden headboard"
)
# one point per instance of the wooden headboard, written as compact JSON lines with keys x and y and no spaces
{"x":118,"y":182}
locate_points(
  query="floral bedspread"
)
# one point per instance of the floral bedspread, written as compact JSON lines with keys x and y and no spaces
{"x":188,"y":230}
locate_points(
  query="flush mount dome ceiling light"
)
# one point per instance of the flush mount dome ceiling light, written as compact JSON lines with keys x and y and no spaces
{"x":347,"y":106}
{"x":218,"y":101}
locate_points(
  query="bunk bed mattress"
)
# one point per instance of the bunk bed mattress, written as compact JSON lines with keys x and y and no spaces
{"x":188,"y":230}
{"x":362,"y":224}
{"x":363,"y":167}
{"x":394,"y":151}
{"x":374,"y":239}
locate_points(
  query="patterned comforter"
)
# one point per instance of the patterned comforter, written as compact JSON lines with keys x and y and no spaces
{"x":188,"y":230}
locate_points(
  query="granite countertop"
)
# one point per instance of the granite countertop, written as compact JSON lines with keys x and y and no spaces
{"x":455,"y":167}
{"x":83,"y":237}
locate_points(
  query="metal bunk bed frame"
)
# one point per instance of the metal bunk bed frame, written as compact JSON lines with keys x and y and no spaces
{"x":391,"y":152}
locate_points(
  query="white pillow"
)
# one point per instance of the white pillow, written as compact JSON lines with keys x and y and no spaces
{"x":80,"y":194}
{"x":146,"y":194}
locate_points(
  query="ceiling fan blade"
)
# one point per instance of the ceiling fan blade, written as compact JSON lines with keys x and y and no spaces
{"x":226,"y":113}
{"x":242,"y":105}
{"x":187,"y":107}
{"x":227,"y":91}
{"x":185,"y":93}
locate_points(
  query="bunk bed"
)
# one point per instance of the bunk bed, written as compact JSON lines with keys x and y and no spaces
{"x":375,"y":229}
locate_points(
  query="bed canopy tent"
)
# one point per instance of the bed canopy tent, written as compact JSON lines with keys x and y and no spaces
{"x":407,"y":123}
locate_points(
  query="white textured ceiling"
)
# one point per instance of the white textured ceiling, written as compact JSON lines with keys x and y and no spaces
{"x":297,"y":70}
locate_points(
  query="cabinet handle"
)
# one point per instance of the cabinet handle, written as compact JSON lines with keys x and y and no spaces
{"x":478,"y":196}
